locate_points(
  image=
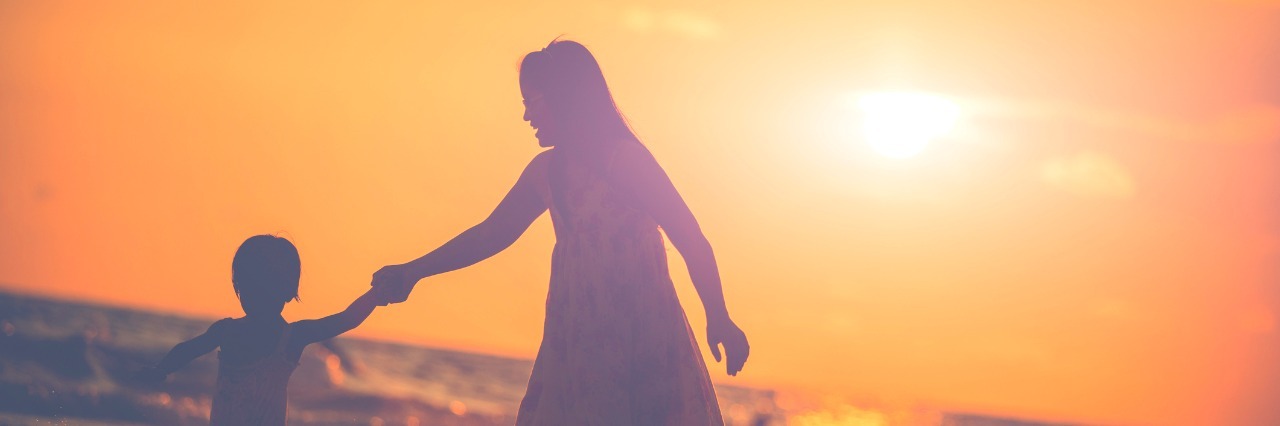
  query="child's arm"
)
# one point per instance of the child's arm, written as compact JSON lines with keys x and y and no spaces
{"x":183,"y":353}
{"x":310,"y":331}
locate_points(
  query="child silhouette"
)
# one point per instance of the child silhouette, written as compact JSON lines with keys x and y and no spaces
{"x":258,"y":352}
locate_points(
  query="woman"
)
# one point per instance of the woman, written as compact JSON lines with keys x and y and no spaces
{"x":616,"y":346}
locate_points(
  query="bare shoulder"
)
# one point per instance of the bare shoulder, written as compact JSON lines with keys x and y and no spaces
{"x":302,"y":326}
{"x":535,"y":175}
{"x":301,"y":334}
{"x":217,"y":333}
{"x":539,"y":164}
{"x":223,"y":326}
{"x":542,"y":158}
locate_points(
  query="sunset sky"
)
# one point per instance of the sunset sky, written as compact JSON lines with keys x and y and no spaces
{"x":1096,"y":240}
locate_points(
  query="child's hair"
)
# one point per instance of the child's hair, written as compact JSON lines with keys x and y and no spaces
{"x":266,"y":270}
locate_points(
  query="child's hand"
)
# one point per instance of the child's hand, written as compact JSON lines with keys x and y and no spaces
{"x":383,"y":295}
{"x":394,"y":276}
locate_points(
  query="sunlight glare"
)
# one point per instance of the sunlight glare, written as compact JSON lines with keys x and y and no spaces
{"x":901,"y":124}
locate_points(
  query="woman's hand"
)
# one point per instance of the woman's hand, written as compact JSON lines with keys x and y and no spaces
{"x":722,"y":330}
{"x":397,"y":278}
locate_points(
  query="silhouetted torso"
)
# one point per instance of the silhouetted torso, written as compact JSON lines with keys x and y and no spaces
{"x":616,"y":346}
{"x":254,"y":366}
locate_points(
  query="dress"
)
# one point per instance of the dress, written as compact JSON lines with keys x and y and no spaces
{"x":616,"y":346}
{"x":255,"y":393}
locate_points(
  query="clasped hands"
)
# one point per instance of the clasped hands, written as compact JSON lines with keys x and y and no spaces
{"x":395,"y":282}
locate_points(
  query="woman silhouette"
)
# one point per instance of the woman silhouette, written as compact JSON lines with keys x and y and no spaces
{"x":616,"y":346}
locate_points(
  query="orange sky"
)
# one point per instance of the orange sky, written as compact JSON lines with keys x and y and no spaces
{"x":1097,"y":240}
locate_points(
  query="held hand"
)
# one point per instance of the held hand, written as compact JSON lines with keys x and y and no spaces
{"x":723,"y":331}
{"x":394,"y":283}
{"x":383,"y":295}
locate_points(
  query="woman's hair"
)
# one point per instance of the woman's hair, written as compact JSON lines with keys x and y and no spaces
{"x":573,"y":88}
{"x":266,"y":270}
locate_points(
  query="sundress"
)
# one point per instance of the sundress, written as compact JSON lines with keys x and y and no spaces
{"x":616,"y":347}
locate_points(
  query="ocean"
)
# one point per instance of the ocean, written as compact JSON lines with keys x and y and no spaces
{"x":72,"y":363}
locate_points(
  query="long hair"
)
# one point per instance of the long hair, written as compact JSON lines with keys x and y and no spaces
{"x":574,"y":89}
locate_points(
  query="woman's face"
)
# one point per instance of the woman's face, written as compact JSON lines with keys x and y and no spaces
{"x":539,"y":117}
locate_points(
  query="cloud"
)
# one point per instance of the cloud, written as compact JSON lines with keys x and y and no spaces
{"x":1243,"y":124}
{"x":677,"y":22}
{"x":1089,"y":174}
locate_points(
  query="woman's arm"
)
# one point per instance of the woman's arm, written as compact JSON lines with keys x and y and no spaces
{"x":638,"y":175}
{"x":513,"y":215}
{"x":306,"y":332}
{"x":183,"y":353}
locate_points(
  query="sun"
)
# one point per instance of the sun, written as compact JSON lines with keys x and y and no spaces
{"x":901,"y":124}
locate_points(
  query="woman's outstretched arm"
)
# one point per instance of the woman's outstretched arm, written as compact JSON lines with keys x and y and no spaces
{"x":513,"y":215}
{"x":638,"y":174}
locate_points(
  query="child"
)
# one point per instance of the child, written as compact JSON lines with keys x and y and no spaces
{"x":260,"y":350}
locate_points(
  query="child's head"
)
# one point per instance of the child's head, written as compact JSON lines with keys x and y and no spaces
{"x":265,"y":274}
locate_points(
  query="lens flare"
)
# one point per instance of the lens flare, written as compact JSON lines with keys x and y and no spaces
{"x":901,"y":124}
